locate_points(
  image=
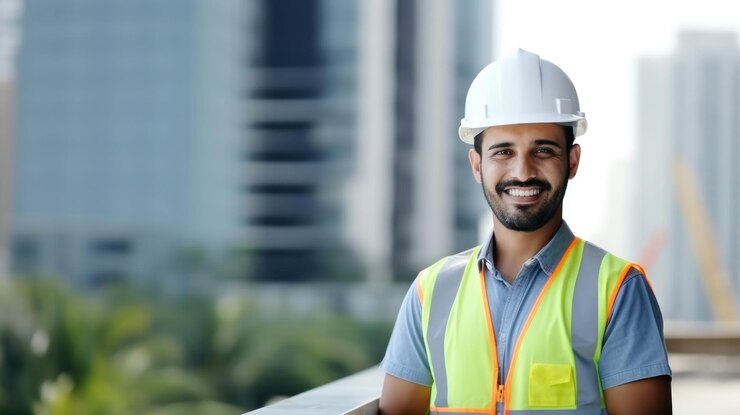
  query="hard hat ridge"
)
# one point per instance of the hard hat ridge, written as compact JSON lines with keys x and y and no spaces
{"x":520,"y":88}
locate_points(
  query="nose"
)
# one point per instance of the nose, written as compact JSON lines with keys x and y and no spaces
{"x":523,"y":168}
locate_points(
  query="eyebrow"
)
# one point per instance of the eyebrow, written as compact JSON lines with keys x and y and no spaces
{"x":499,"y":145}
{"x":547,"y":142}
{"x":538,"y":142}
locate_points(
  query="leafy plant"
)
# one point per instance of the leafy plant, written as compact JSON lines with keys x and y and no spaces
{"x":126,"y":351}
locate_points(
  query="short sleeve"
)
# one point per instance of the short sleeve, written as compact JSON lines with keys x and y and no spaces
{"x":406,"y":356}
{"x":633,"y":347}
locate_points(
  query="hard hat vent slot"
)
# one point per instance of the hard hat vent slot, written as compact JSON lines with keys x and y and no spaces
{"x":564,"y":105}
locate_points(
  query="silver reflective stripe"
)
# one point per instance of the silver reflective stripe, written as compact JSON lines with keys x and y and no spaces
{"x":545,"y":411}
{"x":432,"y":412}
{"x":443,"y":296}
{"x":585,"y":327}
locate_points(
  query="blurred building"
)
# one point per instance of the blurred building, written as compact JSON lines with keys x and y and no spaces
{"x":128,"y":130}
{"x":689,"y":107}
{"x":274,"y":140}
{"x":351,"y":160}
{"x":418,"y":59}
{"x":353,"y":165}
{"x":9,"y":38}
{"x":300,"y":137}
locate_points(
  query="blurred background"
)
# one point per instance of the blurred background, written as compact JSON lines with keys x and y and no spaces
{"x":205,"y":205}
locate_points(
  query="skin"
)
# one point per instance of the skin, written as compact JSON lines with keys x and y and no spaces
{"x":400,"y":397}
{"x":521,"y":153}
{"x":511,"y":156}
{"x":650,"y":396}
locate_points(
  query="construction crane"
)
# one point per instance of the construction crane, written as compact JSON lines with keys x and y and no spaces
{"x":715,"y":278}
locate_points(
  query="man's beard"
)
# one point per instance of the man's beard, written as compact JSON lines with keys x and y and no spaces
{"x":525,"y":218}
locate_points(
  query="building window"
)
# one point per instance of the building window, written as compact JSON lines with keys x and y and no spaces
{"x":25,"y":253}
{"x":112,"y":246}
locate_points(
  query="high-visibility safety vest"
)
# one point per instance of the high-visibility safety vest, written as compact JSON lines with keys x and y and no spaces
{"x":555,"y":362}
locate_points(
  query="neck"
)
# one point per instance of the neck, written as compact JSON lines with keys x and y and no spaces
{"x":512,"y":248}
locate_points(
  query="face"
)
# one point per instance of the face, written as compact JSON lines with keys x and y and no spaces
{"x":524,"y":171}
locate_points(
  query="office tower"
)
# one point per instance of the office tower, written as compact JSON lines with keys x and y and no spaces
{"x":127,"y":135}
{"x":299,"y":140}
{"x":354,"y":164}
{"x":9,"y":38}
{"x":689,"y":104}
{"x":437,"y":47}
{"x":272,"y":140}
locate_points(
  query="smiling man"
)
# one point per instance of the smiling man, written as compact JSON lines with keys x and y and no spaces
{"x":535,"y":319}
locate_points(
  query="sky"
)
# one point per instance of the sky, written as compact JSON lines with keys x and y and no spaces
{"x":598,"y":44}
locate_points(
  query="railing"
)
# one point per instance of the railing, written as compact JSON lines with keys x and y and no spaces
{"x":703,"y":338}
{"x":354,"y":395}
{"x":358,"y":394}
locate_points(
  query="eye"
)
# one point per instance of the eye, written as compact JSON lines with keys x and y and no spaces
{"x":502,"y":153}
{"x":544,"y":151}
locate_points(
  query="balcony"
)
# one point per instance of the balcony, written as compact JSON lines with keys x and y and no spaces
{"x":705,"y":361}
{"x":357,"y":394}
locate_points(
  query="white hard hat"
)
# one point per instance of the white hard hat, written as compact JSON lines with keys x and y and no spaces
{"x":520,"y":88}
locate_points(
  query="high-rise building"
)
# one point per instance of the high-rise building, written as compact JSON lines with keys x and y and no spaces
{"x":128,"y":118}
{"x":299,"y":140}
{"x":436,"y":48}
{"x":354,"y":162}
{"x":689,"y":106}
{"x":308,"y":139}
{"x":9,"y":37}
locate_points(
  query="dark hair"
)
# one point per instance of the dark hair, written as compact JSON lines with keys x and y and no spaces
{"x":568,"y":130}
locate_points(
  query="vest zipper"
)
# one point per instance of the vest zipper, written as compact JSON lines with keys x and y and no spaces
{"x":500,"y":394}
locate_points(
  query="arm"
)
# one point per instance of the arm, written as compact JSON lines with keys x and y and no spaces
{"x":650,"y":396}
{"x":402,"y":397}
{"x":408,"y":380}
{"x":634,"y":364}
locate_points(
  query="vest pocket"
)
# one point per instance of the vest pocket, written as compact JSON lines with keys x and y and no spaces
{"x":551,"y":385}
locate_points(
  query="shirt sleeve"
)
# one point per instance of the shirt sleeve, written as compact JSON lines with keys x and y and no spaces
{"x":406,"y":356}
{"x":633,"y":347}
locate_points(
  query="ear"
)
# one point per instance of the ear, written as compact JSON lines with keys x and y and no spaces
{"x":475,"y":160}
{"x":574,"y":157}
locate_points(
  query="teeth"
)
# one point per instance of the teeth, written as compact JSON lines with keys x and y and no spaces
{"x":524,"y":192}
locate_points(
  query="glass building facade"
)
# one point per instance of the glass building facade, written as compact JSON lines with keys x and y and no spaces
{"x":166,"y":139}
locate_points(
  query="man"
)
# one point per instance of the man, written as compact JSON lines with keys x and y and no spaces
{"x":535,"y":319}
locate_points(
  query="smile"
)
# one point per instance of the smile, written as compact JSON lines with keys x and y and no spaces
{"x":519,"y":192}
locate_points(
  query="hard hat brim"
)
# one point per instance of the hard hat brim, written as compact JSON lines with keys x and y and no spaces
{"x":468,"y":131}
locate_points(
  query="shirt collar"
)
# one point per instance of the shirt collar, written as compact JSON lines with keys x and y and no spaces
{"x":548,"y":257}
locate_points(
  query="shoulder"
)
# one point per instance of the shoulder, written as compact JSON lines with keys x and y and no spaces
{"x":449,"y":266}
{"x":633,"y":346}
{"x":634,"y":290}
{"x":620,"y":270}
{"x":615,"y":275}
{"x":454,"y":259}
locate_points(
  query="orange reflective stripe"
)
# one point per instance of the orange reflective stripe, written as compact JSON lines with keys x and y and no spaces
{"x":618,"y":285}
{"x":512,"y":365}
{"x":459,"y":410}
{"x":491,"y":340}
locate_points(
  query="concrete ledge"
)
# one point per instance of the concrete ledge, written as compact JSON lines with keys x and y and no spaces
{"x":703,"y":338}
{"x":357,"y":394}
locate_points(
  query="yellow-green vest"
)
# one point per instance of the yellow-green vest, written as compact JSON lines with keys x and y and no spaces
{"x":555,"y":362}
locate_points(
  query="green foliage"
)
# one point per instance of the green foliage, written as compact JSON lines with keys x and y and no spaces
{"x":126,"y":351}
